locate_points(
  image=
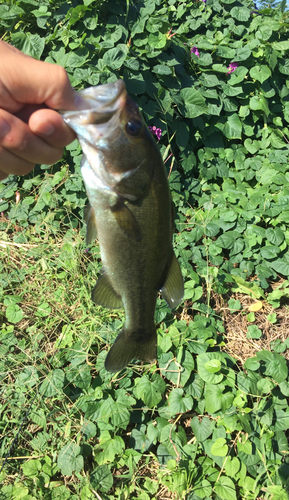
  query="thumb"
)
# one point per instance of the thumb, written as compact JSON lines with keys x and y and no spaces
{"x":25,"y":80}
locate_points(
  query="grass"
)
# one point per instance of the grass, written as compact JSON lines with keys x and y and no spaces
{"x":58,"y":330}
{"x":59,"y":320}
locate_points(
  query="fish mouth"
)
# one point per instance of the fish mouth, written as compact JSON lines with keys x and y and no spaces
{"x":98,"y":105}
{"x":103,"y":95}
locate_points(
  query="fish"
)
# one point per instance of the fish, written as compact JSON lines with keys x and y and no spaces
{"x":130,"y":213}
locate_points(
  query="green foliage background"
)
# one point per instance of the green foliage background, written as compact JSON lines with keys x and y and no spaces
{"x":225,"y":139}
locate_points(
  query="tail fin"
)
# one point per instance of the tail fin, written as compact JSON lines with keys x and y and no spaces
{"x":130,"y":345}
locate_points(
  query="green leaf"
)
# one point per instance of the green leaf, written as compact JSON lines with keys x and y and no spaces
{"x":213,"y":366}
{"x":69,"y":459}
{"x":238,"y":76}
{"x":265,"y":386}
{"x":254,"y":332}
{"x":88,"y":430}
{"x":179,"y":372}
{"x":259,"y":102}
{"x":162,"y":69}
{"x":43,"y":310}
{"x":242,"y":54}
{"x":252,"y":146}
{"x":252,"y":364}
{"x":216,"y":399}
{"x":14,"y":314}
{"x":201,"y":428}
{"x":280,"y":266}
{"x":139,"y":440}
{"x":269,"y":252}
{"x":245,"y":446}
{"x":232,"y":466}
{"x":260,"y":73}
{"x":120,"y":417}
{"x":31,"y":468}
{"x":233,"y":127}
{"x":165,"y":342}
{"x":284,"y":388}
{"x":32,"y":45}
{"x":157,"y":41}
{"x":225,"y":488}
{"x":220,"y":447}
{"x":234,"y":305}
{"x":150,"y":392}
{"x":275,"y":236}
{"x":111,"y":448}
{"x":53,"y":383}
{"x":284,"y":68}
{"x":225,"y":52}
{"x":210,"y":80}
{"x":277,"y":491}
{"x":240,"y":13}
{"x":202,"y":489}
{"x":163,"y":454}
{"x":192,"y":292}
{"x":194,"y":102}
{"x":101,"y":478}
{"x":277,"y":368}
{"x":281,"y":45}
{"x":226,"y":240}
{"x":114,"y":58}
{"x":79,"y":375}
{"x":205,"y":374}
{"x":179,"y":404}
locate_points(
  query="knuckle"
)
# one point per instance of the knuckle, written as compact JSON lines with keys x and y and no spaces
{"x":62,"y":76}
{"x":17,"y":142}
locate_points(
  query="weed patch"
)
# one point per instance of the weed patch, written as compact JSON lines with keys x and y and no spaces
{"x":210,"y":419}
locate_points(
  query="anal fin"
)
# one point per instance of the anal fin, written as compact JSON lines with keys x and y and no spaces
{"x":173,"y":288}
{"x":104,"y":294}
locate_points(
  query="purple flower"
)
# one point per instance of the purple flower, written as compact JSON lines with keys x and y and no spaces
{"x":86,"y":250}
{"x":156,"y":131}
{"x":232,"y":67}
{"x":195,"y":51}
{"x":204,"y":1}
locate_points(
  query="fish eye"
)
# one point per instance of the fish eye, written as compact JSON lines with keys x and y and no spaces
{"x":133,"y":127}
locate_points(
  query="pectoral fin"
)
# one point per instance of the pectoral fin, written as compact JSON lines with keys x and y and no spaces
{"x":89,"y":218}
{"x":104,"y":295}
{"x":173,"y":289}
{"x":126,"y":220}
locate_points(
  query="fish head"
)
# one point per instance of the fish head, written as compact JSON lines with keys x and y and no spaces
{"x":120,"y":152}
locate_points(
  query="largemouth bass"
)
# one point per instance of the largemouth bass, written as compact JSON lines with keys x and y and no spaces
{"x":131,"y":215}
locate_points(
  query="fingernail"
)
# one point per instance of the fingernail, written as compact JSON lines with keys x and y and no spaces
{"x":4,"y":127}
{"x":45,"y":128}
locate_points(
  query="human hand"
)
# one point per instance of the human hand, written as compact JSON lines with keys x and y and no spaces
{"x":30,"y":132}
